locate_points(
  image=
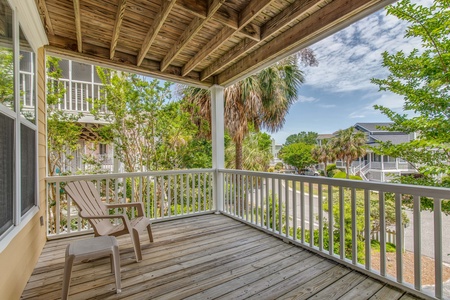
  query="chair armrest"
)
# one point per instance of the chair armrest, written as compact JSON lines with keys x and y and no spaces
{"x":121,"y":216}
{"x":138,"y":205}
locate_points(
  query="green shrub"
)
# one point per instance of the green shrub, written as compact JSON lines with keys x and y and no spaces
{"x":271,"y":169}
{"x":343,"y":175}
{"x":333,"y":172}
{"x":330,"y":168}
{"x":279,"y":166}
{"x":375,"y":245}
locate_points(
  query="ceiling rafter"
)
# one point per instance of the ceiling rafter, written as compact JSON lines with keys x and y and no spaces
{"x":298,"y":9}
{"x":158,"y":22}
{"x":224,"y":15}
{"x":117,"y":26}
{"x":332,"y":16}
{"x":43,"y":11}
{"x":76,"y":9}
{"x":245,"y":17}
{"x":190,"y":32}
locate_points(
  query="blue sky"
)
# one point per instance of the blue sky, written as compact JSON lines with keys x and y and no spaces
{"x":338,"y":93}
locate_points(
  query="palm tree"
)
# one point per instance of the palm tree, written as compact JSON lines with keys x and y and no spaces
{"x":349,"y":145}
{"x":261,"y":100}
{"x":324,"y":154}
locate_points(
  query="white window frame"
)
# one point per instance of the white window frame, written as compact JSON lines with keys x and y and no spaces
{"x":19,"y":221}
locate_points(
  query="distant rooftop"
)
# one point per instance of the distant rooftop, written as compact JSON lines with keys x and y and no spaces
{"x":374,"y":127}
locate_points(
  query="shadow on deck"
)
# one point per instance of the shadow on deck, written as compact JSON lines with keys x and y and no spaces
{"x":206,"y":257}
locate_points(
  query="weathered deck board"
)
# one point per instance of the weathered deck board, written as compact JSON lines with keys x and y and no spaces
{"x":205,"y":257}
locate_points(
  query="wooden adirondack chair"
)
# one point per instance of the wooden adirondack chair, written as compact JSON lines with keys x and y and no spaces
{"x":91,"y":207}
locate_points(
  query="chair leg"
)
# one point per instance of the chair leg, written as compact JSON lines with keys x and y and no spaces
{"x":150,"y":234}
{"x":137,"y":245}
{"x":115,"y":260}
{"x":67,"y":275}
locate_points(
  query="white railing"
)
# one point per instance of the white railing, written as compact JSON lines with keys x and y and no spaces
{"x":77,"y":95}
{"x":339,"y":214}
{"x":165,"y":195}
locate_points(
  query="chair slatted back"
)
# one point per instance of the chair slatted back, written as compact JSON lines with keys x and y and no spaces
{"x":88,"y":200}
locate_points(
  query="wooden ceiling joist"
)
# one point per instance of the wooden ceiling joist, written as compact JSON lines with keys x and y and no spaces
{"x":154,"y":29}
{"x":76,"y":9}
{"x":298,"y":9}
{"x":194,"y":27}
{"x":117,"y":26}
{"x":246,"y":16}
{"x":45,"y":17}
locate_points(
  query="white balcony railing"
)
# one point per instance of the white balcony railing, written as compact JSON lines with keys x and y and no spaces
{"x":327,"y":216}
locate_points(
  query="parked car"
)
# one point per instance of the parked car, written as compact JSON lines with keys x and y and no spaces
{"x":308,"y":172}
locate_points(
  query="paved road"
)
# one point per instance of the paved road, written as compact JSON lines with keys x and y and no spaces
{"x":426,"y":216}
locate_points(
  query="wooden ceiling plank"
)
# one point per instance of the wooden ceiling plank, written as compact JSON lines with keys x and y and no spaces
{"x":158,"y":22}
{"x":76,"y":9}
{"x":294,"y":11}
{"x":308,"y":30}
{"x":194,"y":7}
{"x":245,"y":17}
{"x":43,"y":11}
{"x":117,"y":26}
{"x":194,"y":27}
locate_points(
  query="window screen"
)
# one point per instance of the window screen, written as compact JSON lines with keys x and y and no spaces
{"x":6,"y":172}
{"x":28,"y":168}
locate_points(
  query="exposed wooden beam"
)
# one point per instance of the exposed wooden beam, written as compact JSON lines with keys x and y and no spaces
{"x":158,"y":22}
{"x":42,"y":7}
{"x":190,"y":32}
{"x":334,"y":16}
{"x":93,"y":54}
{"x":117,"y":26}
{"x":245,"y":17}
{"x":296,"y":10}
{"x":76,"y":9}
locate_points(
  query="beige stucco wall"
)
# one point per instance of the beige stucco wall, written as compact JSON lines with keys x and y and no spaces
{"x":17,"y":261}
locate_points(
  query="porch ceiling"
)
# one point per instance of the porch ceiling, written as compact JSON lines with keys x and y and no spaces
{"x":199,"y":42}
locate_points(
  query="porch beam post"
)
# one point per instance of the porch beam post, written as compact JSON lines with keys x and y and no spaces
{"x":217,"y":135}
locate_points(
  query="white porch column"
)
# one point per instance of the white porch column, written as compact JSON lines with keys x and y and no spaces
{"x":218,"y":151}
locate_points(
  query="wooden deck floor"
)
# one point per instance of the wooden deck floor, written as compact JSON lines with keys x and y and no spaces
{"x":206,"y":257}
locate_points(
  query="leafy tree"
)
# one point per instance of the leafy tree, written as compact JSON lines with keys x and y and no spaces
{"x":309,"y":137}
{"x":422,"y":77}
{"x":297,"y":155}
{"x":259,"y":101}
{"x":349,"y":145}
{"x":323,"y":154}
{"x":6,"y":77}
{"x":256,"y":152}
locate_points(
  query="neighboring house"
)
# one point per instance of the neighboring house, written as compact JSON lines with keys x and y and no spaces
{"x":81,"y":83}
{"x":275,"y":149}
{"x":374,"y":167}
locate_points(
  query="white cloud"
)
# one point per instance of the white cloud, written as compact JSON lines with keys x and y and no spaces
{"x":327,"y":105}
{"x":306,"y":99}
{"x":356,"y":115}
{"x":350,"y":58}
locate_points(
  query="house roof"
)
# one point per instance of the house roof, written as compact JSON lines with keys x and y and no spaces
{"x":374,"y":127}
{"x":197,"y":42}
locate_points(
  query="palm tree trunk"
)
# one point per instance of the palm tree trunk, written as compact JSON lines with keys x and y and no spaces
{"x":347,"y":165}
{"x":238,"y":160}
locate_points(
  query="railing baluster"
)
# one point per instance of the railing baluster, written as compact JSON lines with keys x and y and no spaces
{"x":399,"y":237}
{"x":294,"y":208}
{"x":169,"y":196}
{"x":246,"y":197}
{"x":302,"y":209}
{"x":192,"y":209}
{"x":162,"y":207}
{"x":58,"y":208}
{"x":341,"y":223}
{"x":182,"y":193}
{"x":257,"y":200}
{"x":287,"y":199}
{"x":252,"y":198}
{"x":311,"y":214}
{"x":155,"y":200}
{"x":354,"y":229}
{"x":204,"y":191}
{"x":367,"y":229}
{"x":438,"y":248}
{"x":238,"y":195}
{"x":280,"y":205}
{"x":273,"y":220}
{"x":148,"y":214}
{"x":417,"y":223}
{"x":330,"y":221}
{"x":198,"y":192}
{"x":320,"y":208}
{"x":382,"y":234}
{"x":267,"y":203}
